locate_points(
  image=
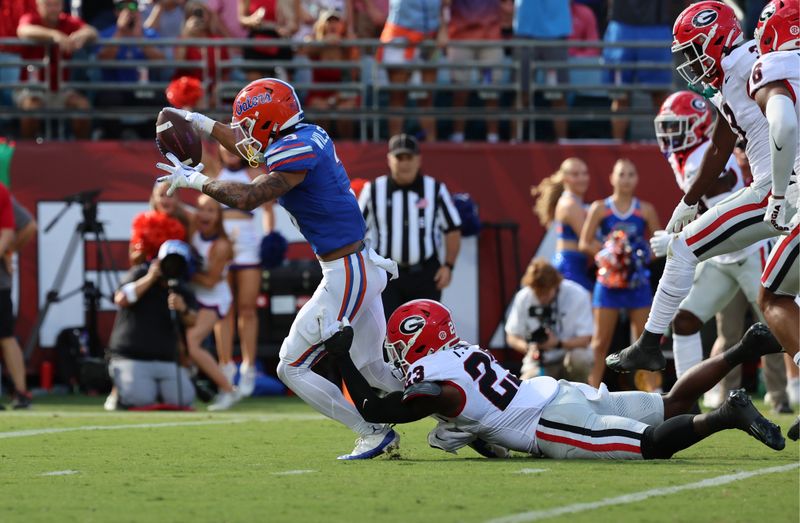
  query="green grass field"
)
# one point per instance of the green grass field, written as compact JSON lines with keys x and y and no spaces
{"x":274,"y":460}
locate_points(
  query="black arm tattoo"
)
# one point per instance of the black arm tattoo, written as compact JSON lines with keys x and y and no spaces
{"x":248,"y":196}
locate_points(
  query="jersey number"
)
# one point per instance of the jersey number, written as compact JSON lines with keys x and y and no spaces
{"x":726,"y":109}
{"x":757,"y":74}
{"x":486,"y":378}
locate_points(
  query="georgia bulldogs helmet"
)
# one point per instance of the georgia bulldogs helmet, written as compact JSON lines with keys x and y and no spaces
{"x":261,"y":111}
{"x":682,"y":122}
{"x":417,"y":328}
{"x":703,"y":33}
{"x":778,"y":27}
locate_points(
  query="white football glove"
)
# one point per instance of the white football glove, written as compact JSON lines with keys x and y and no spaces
{"x":447,"y":437}
{"x":659,"y":243}
{"x":200,"y":122}
{"x":776,"y":214}
{"x":681,"y":217}
{"x":181,"y":175}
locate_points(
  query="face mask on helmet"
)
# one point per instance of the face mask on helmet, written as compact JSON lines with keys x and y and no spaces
{"x":248,"y":147}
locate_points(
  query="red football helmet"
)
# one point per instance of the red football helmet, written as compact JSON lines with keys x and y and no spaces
{"x":416,"y":329}
{"x":682,"y":122}
{"x":778,"y":27}
{"x":261,"y":111}
{"x":184,"y":92}
{"x":703,"y":33}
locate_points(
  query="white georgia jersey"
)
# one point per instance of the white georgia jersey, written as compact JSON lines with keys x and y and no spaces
{"x":743,"y":114}
{"x":685,"y":174}
{"x":497,"y":406}
{"x":779,"y":66}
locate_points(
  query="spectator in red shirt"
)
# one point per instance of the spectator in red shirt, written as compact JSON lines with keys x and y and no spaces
{"x":10,"y":13}
{"x":50,"y":25}
{"x":584,"y":28}
{"x":197,"y":24}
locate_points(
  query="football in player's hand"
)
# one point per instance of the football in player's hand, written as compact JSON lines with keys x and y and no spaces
{"x":177,"y":136}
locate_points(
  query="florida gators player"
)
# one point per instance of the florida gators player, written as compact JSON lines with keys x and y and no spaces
{"x":708,"y":37}
{"x":308,"y":179}
{"x":682,"y":127}
{"x":775,"y":85}
{"x":556,"y":419}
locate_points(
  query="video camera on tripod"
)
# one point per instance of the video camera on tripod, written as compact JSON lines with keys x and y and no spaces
{"x":88,"y":228}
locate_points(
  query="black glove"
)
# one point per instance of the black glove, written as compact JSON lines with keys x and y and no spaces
{"x":339,"y":344}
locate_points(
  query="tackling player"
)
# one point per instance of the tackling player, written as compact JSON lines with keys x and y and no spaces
{"x":681,"y":129}
{"x":709,"y":37}
{"x":308,"y":179}
{"x":775,"y":84}
{"x":556,"y":419}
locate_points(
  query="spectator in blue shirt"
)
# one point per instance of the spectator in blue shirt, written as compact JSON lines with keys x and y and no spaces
{"x":546,"y":20}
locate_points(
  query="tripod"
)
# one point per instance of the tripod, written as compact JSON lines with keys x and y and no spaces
{"x":91,"y":291}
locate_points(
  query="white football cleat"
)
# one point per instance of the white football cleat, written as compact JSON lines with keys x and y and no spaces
{"x":225,"y":400}
{"x":247,"y":380}
{"x":368,"y":447}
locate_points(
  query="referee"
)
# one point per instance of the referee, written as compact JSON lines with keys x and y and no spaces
{"x":408,"y":214}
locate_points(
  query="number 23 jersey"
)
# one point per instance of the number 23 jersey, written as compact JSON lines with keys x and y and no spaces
{"x":496,"y":405}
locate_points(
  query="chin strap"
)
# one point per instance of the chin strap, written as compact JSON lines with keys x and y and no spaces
{"x":706,"y":92}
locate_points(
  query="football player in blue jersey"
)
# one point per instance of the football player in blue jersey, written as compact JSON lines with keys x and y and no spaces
{"x":308,"y":179}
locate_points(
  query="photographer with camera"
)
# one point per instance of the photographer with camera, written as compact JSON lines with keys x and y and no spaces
{"x":156,"y":305}
{"x":550,"y":322}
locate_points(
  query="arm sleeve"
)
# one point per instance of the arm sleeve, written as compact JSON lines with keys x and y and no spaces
{"x":449,"y":220}
{"x":783,"y":138}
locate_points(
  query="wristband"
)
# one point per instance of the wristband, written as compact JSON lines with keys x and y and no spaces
{"x":129,"y":290}
{"x":203,"y":123}
{"x":559,"y":345}
{"x":450,"y":266}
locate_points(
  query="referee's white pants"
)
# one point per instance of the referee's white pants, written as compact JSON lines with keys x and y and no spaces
{"x":351,"y":287}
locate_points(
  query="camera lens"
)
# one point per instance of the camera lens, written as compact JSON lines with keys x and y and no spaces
{"x":199,"y":13}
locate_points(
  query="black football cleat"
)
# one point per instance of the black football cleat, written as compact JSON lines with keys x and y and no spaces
{"x":740,"y":411}
{"x":642,"y":355}
{"x":759,"y":341}
{"x":21,"y":400}
{"x":794,"y":430}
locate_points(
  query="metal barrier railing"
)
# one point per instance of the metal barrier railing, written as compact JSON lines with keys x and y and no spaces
{"x":520,"y":79}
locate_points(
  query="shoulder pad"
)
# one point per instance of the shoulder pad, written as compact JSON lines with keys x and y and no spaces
{"x":423,"y":388}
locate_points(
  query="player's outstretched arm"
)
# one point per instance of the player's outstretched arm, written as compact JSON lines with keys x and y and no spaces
{"x":206,"y":126}
{"x":248,"y":196}
{"x":714,"y":161}
{"x":777,"y":105}
{"x":388,"y":409}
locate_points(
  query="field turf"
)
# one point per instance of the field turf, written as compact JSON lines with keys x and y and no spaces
{"x":273,"y":460}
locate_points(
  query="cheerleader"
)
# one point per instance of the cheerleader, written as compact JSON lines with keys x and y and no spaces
{"x":623,"y":280}
{"x":213,"y":294}
{"x":244,"y":277}
{"x":559,"y":202}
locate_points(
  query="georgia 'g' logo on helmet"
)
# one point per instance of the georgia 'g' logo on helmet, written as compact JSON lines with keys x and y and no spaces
{"x":699,"y":104}
{"x":704,"y":18}
{"x":768,"y":11}
{"x":683,"y":122}
{"x":412,"y":324}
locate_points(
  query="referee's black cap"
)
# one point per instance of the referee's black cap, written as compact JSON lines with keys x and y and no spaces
{"x":403,"y":144}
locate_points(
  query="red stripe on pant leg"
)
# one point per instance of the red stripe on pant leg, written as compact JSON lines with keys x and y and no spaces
{"x":724,"y":218}
{"x":593,"y":447}
{"x":763,"y":258}
{"x":299,"y":361}
{"x":363,"y":290}
{"x":785,"y":241}
{"x":347,"y":283}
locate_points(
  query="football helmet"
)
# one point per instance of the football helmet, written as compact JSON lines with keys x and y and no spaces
{"x":261,"y":111}
{"x":682,"y":122}
{"x":703,"y":34}
{"x":417,"y":328}
{"x":778,"y":27}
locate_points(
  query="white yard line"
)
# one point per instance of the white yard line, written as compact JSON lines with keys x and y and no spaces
{"x":536,"y":515}
{"x":242,"y":419}
{"x":59,"y":473}
{"x":292,"y":472}
{"x":531,"y":471}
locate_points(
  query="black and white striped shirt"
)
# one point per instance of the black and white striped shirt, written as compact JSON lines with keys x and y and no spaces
{"x":406,"y":223}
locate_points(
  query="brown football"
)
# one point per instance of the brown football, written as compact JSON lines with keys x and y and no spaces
{"x":177,"y":136}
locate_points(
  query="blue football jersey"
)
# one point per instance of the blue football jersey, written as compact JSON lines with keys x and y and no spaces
{"x":322,"y":206}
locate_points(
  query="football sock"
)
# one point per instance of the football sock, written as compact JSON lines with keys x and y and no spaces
{"x":688,"y":352}
{"x":674,"y":286}
{"x":673,"y":435}
{"x":324,"y":396}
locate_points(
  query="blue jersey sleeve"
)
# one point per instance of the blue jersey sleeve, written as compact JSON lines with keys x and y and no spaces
{"x":292,"y":155}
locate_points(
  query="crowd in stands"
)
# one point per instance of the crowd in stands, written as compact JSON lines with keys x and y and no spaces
{"x":414,"y":32}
